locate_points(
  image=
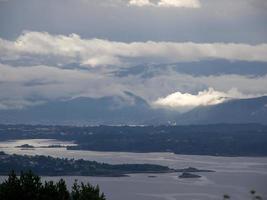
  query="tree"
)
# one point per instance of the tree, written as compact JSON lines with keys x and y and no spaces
{"x":11,"y":188}
{"x":56,"y":191}
{"x":30,"y":187}
{"x":86,"y":191}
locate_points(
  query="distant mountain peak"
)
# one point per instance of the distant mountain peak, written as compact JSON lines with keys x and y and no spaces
{"x":116,"y":110}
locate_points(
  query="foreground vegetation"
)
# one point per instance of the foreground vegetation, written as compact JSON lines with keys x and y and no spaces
{"x":29,"y":186}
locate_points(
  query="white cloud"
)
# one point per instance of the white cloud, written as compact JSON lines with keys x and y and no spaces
{"x":180,"y":3}
{"x":140,"y":3}
{"x":25,"y":85}
{"x":55,"y":49}
{"x":21,"y":85}
{"x":101,"y":61}
{"x":186,"y":101}
{"x":43,"y":55}
{"x":166,"y":3}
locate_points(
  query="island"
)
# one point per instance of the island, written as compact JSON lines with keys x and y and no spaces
{"x":25,"y":146}
{"x":54,"y":146}
{"x":189,"y":175}
{"x":28,"y":146}
{"x":193,"y":170}
{"x":50,"y":166}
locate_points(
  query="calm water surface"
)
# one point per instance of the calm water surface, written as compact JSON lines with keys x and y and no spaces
{"x":235,"y":176}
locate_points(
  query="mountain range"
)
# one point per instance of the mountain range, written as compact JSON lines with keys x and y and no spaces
{"x":117,"y":111}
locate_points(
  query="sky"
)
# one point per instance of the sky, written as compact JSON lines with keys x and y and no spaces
{"x":175,"y":54}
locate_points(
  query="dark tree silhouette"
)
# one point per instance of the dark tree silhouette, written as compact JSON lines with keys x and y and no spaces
{"x":86,"y":191}
{"x":29,"y":186}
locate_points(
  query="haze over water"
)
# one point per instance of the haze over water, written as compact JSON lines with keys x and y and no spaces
{"x":235,"y":176}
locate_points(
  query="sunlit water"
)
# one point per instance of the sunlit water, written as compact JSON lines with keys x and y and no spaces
{"x":235,"y":176}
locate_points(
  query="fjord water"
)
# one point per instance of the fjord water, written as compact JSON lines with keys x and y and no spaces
{"x":235,"y":176}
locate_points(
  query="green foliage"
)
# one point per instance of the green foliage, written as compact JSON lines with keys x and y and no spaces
{"x":29,"y":186}
{"x":85,"y":192}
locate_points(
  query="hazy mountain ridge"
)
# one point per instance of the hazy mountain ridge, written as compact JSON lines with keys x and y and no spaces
{"x":252,"y":110}
{"x":111,"y":110}
{"x":117,"y":111}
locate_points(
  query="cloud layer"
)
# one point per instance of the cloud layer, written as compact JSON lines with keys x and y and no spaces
{"x":22,"y":86}
{"x":151,"y":48}
{"x":38,"y":67}
{"x":187,"y":101}
{"x":61,"y":49}
{"x":166,"y":3}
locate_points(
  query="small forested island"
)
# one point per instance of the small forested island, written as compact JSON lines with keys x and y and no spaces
{"x":25,"y":146}
{"x":28,"y":146}
{"x":53,"y":146}
{"x":193,"y":170}
{"x":49,"y":166}
{"x":189,"y":175}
